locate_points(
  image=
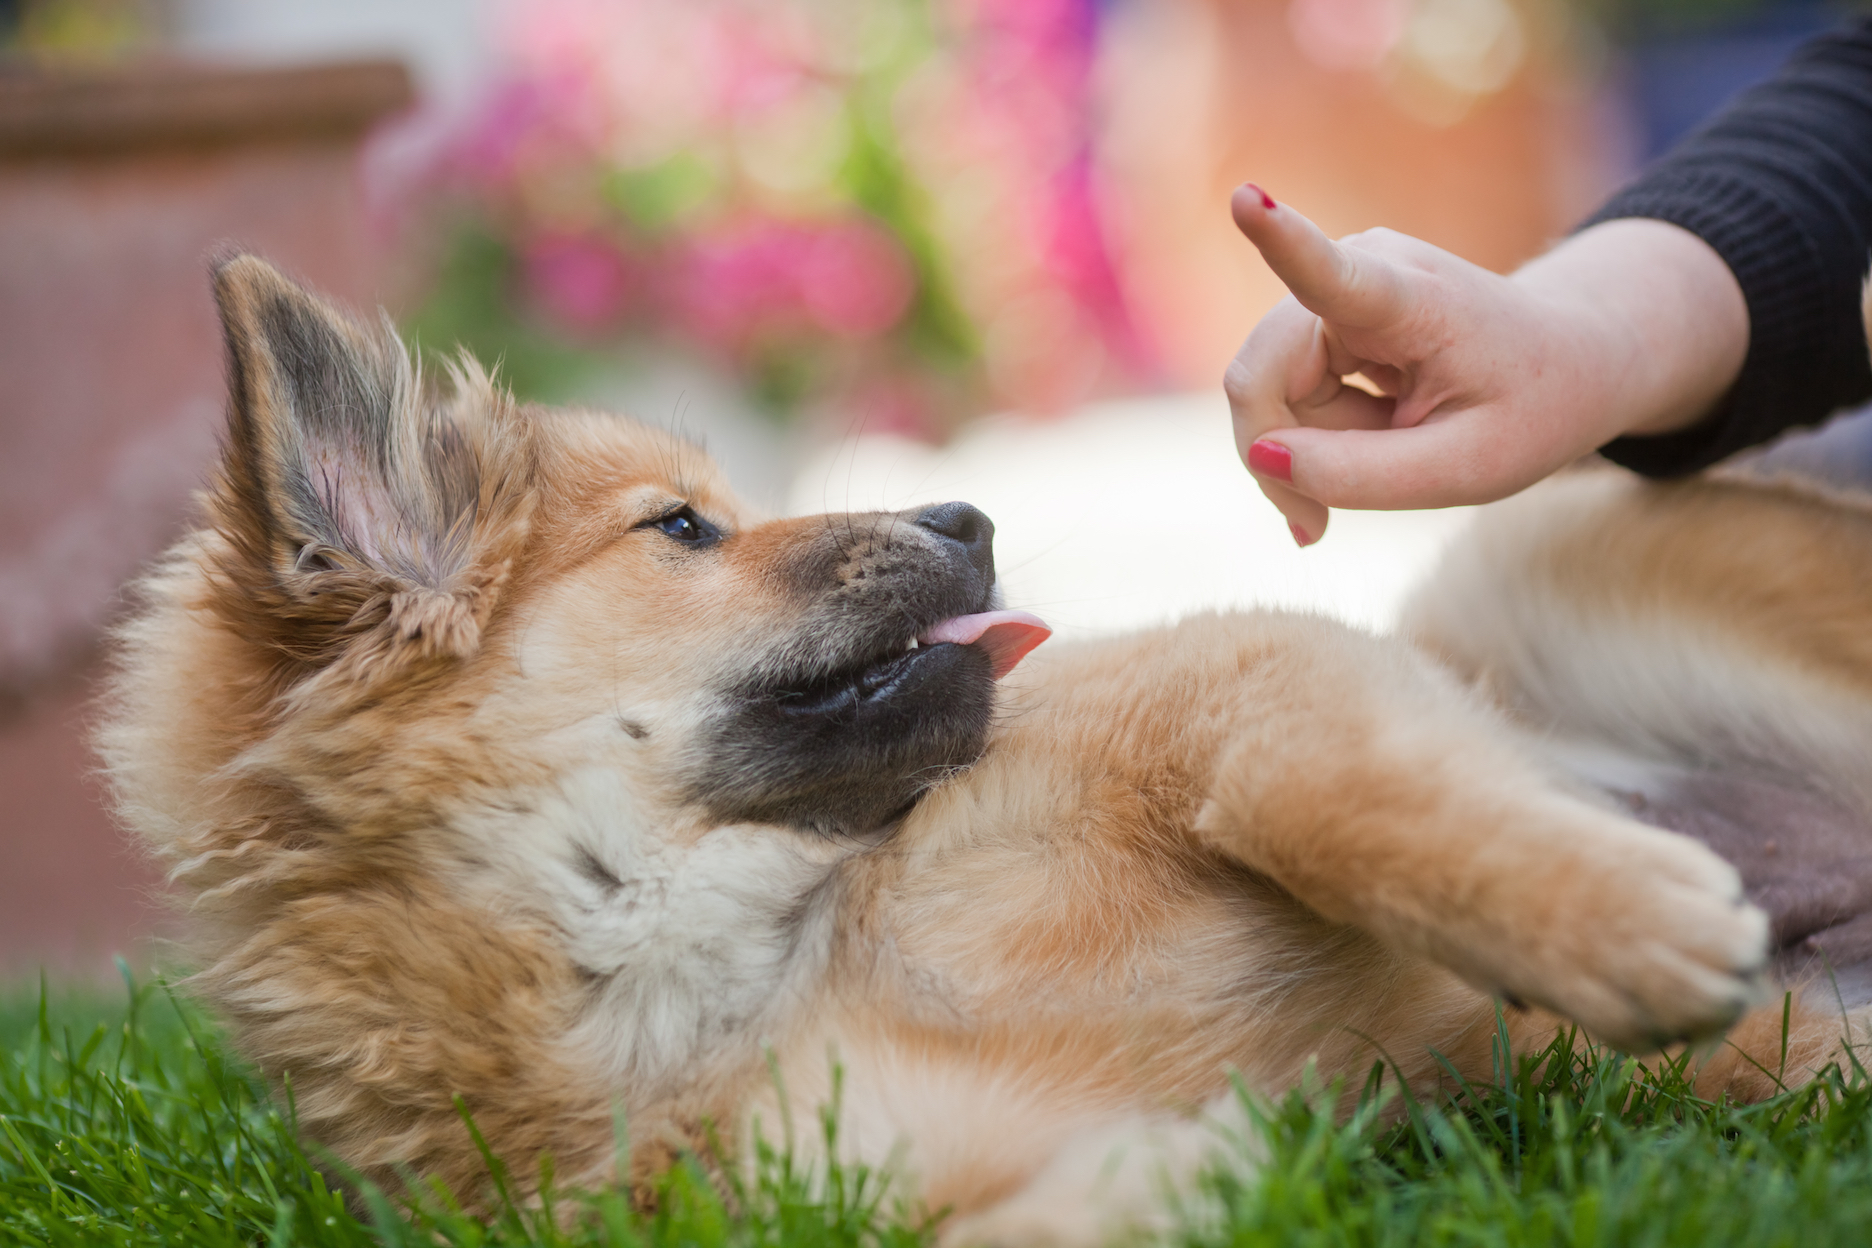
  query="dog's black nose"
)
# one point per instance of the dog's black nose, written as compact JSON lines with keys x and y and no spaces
{"x":969,"y":527}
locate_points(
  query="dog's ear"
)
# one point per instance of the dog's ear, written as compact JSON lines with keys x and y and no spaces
{"x":353,"y":500}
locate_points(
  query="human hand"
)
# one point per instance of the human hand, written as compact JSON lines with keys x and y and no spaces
{"x":1488,"y":383}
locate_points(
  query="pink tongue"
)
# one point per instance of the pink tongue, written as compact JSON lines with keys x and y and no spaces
{"x":1007,"y":636}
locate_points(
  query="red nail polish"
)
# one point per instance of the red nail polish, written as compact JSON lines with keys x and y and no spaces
{"x":1267,"y":200}
{"x":1299,"y":534}
{"x":1271,"y":459}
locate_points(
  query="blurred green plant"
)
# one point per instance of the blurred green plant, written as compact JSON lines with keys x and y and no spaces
{"x":472,"y":303}
{"x":65,"y":30}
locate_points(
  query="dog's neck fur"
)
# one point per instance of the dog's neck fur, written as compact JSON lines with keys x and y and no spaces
{"x":694,"y":948}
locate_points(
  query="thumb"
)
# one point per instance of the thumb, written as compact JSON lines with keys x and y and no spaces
{"x":1429,"y":465}
{"x":1345,"y":285}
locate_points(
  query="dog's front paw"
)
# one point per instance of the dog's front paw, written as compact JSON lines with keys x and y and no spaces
{"x":1650,"y":941}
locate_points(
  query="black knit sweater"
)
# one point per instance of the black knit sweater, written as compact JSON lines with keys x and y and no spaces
{"x":1780,"y":184}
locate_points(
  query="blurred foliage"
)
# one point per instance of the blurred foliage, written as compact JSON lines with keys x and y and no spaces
{"x":829,"y":199}
{"x":472,"y":304}
{"x":77,"y":29}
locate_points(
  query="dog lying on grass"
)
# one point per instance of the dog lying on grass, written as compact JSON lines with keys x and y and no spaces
{"x":501,"y":754}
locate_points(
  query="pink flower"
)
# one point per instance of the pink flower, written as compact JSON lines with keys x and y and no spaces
{"x":523,"y":122}
{"x":895,"y":405}
{"x":757,"y":63}
{"x":581,"y":282}
{"x":855,"y":280}
{"x":770,"y":277}
{"x":738,"y":282}
{"x":1079,"y":259}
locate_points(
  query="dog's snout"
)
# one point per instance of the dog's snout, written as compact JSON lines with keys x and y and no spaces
{"x":969,"y":527}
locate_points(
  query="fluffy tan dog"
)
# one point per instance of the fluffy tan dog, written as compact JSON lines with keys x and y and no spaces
{"x":501,"y":753}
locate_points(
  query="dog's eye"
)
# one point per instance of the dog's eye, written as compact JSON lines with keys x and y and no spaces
{"x":686,"y":526}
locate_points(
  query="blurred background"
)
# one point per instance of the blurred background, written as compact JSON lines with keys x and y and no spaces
{"x":872,"y":252}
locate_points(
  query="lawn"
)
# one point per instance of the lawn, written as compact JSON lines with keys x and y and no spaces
{"x":124,"y":1121}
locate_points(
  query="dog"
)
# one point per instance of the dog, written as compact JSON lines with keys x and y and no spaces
{"x":506,"y":762}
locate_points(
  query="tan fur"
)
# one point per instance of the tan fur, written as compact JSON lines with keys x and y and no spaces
{"x":421,"y":793}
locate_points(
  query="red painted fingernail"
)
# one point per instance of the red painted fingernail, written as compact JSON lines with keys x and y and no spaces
{"x":1299,"y":534}
{"x":1267,"y":200}
{"x":1271,"y":459}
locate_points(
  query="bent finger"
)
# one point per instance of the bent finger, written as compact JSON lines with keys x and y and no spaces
{"x":1349,"y":285}
{"x":1283,"y":363}
{"x":1348,"y":408}
{"x":1271,"y":462}
{"x":1306,"y":518}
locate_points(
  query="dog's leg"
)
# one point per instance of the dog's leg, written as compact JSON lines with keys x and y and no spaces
{"x":1131,"y":1179}
{"x":1387,"y":799}
{"x":1771,"y":1050}
{"x":1005,"y":1155}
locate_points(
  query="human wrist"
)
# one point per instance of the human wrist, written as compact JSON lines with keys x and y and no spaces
{"x":1657,"y":323}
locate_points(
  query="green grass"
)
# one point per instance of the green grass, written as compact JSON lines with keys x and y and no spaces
{"x":127,"y":1123}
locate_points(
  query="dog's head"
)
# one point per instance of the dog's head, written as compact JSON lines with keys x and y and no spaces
{"x":436,"y":546}
{"x":503,"y":753}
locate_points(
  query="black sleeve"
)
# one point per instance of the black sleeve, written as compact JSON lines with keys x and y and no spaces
{"x":1780,"y":184}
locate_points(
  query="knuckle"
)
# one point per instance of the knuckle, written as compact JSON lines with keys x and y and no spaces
{"x":1238,"y":382}
{"x":1379,"y":240}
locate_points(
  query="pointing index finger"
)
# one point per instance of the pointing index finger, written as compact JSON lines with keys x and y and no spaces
{"x":1342,"y":284}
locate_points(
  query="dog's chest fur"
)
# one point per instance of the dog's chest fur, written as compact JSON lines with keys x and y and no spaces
{"x":690,"y":948}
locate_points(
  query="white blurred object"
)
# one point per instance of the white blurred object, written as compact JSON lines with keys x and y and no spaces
{"x":1436,"y":57}
{"x":1134,"y":513}
{"x":1474,"y":47}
